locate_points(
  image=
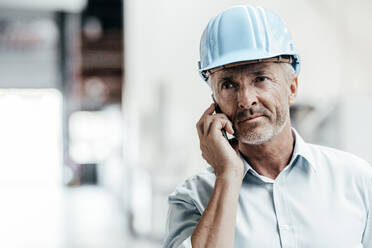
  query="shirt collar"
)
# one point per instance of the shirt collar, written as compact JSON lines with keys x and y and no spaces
{"x":301,"y":148}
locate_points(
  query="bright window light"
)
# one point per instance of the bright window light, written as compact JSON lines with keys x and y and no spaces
{"x":95,"y":135}
{"x":31,"y":140}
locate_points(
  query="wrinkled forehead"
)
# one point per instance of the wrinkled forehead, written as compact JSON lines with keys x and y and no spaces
{"x":249,"y":69}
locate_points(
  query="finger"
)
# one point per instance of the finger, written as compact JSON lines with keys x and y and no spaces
{"x":200,"y":123}
{"x":209,"y":119}
{"x":219,"y":123}
{"x":199,"y":128}
{"x":221,"y":115}
{"x":207,"y":123}
{"x":226,"y":123}
{"x":229,"y":128}
{"x":208,"y":111}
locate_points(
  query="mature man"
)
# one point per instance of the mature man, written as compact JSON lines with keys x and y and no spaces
{"x":268,"y":188}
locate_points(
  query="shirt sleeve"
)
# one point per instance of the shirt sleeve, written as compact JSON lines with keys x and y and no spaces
{"x":367,"y":234}
{"x":183,"y":216}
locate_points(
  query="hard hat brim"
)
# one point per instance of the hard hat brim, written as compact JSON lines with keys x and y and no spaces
{"x":220,"y":65}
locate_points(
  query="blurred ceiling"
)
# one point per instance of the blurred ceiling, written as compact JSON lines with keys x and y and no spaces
{"x":48,"y":5}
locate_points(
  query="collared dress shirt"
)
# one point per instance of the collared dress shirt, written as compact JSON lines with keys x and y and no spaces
{"x":321,"y":199}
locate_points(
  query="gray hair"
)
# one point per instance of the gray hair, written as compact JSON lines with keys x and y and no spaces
{"x":288,"y":70}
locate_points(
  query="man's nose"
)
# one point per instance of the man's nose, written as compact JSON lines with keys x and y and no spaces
{"x":247,"y":97}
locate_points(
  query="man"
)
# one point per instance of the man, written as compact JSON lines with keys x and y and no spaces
{"x":266,"y":188}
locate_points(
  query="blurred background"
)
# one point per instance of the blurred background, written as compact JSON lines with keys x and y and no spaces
{"x":99,"y":101}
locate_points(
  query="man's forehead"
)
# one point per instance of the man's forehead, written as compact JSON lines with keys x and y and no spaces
{"x":247,"y":69}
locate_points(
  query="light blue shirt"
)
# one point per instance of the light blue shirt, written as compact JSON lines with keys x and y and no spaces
{"x":321,"y":199}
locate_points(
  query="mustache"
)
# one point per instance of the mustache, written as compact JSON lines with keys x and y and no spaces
{"x":246,"y":113}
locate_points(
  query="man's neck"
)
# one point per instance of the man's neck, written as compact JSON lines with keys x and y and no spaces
{"x":270,"y":158}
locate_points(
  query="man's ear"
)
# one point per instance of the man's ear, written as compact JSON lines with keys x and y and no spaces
{"x":293,"y":87}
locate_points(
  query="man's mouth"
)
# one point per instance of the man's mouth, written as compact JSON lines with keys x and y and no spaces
{"x":249,"y":118}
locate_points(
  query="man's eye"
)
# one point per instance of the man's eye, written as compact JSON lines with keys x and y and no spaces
{"x":227,"y":85}
{"x":261,"y":79}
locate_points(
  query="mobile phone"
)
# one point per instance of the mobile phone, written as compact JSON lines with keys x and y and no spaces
{"x":219,"y":111}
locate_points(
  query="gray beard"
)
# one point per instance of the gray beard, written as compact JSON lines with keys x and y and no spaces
{"x":255,"y":138}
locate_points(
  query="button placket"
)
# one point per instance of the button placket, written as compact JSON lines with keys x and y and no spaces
{"x":283,"y":216}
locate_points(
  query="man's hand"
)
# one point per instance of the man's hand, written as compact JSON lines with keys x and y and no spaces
{"x":216,"y":149}
{"x":216,"y":227}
